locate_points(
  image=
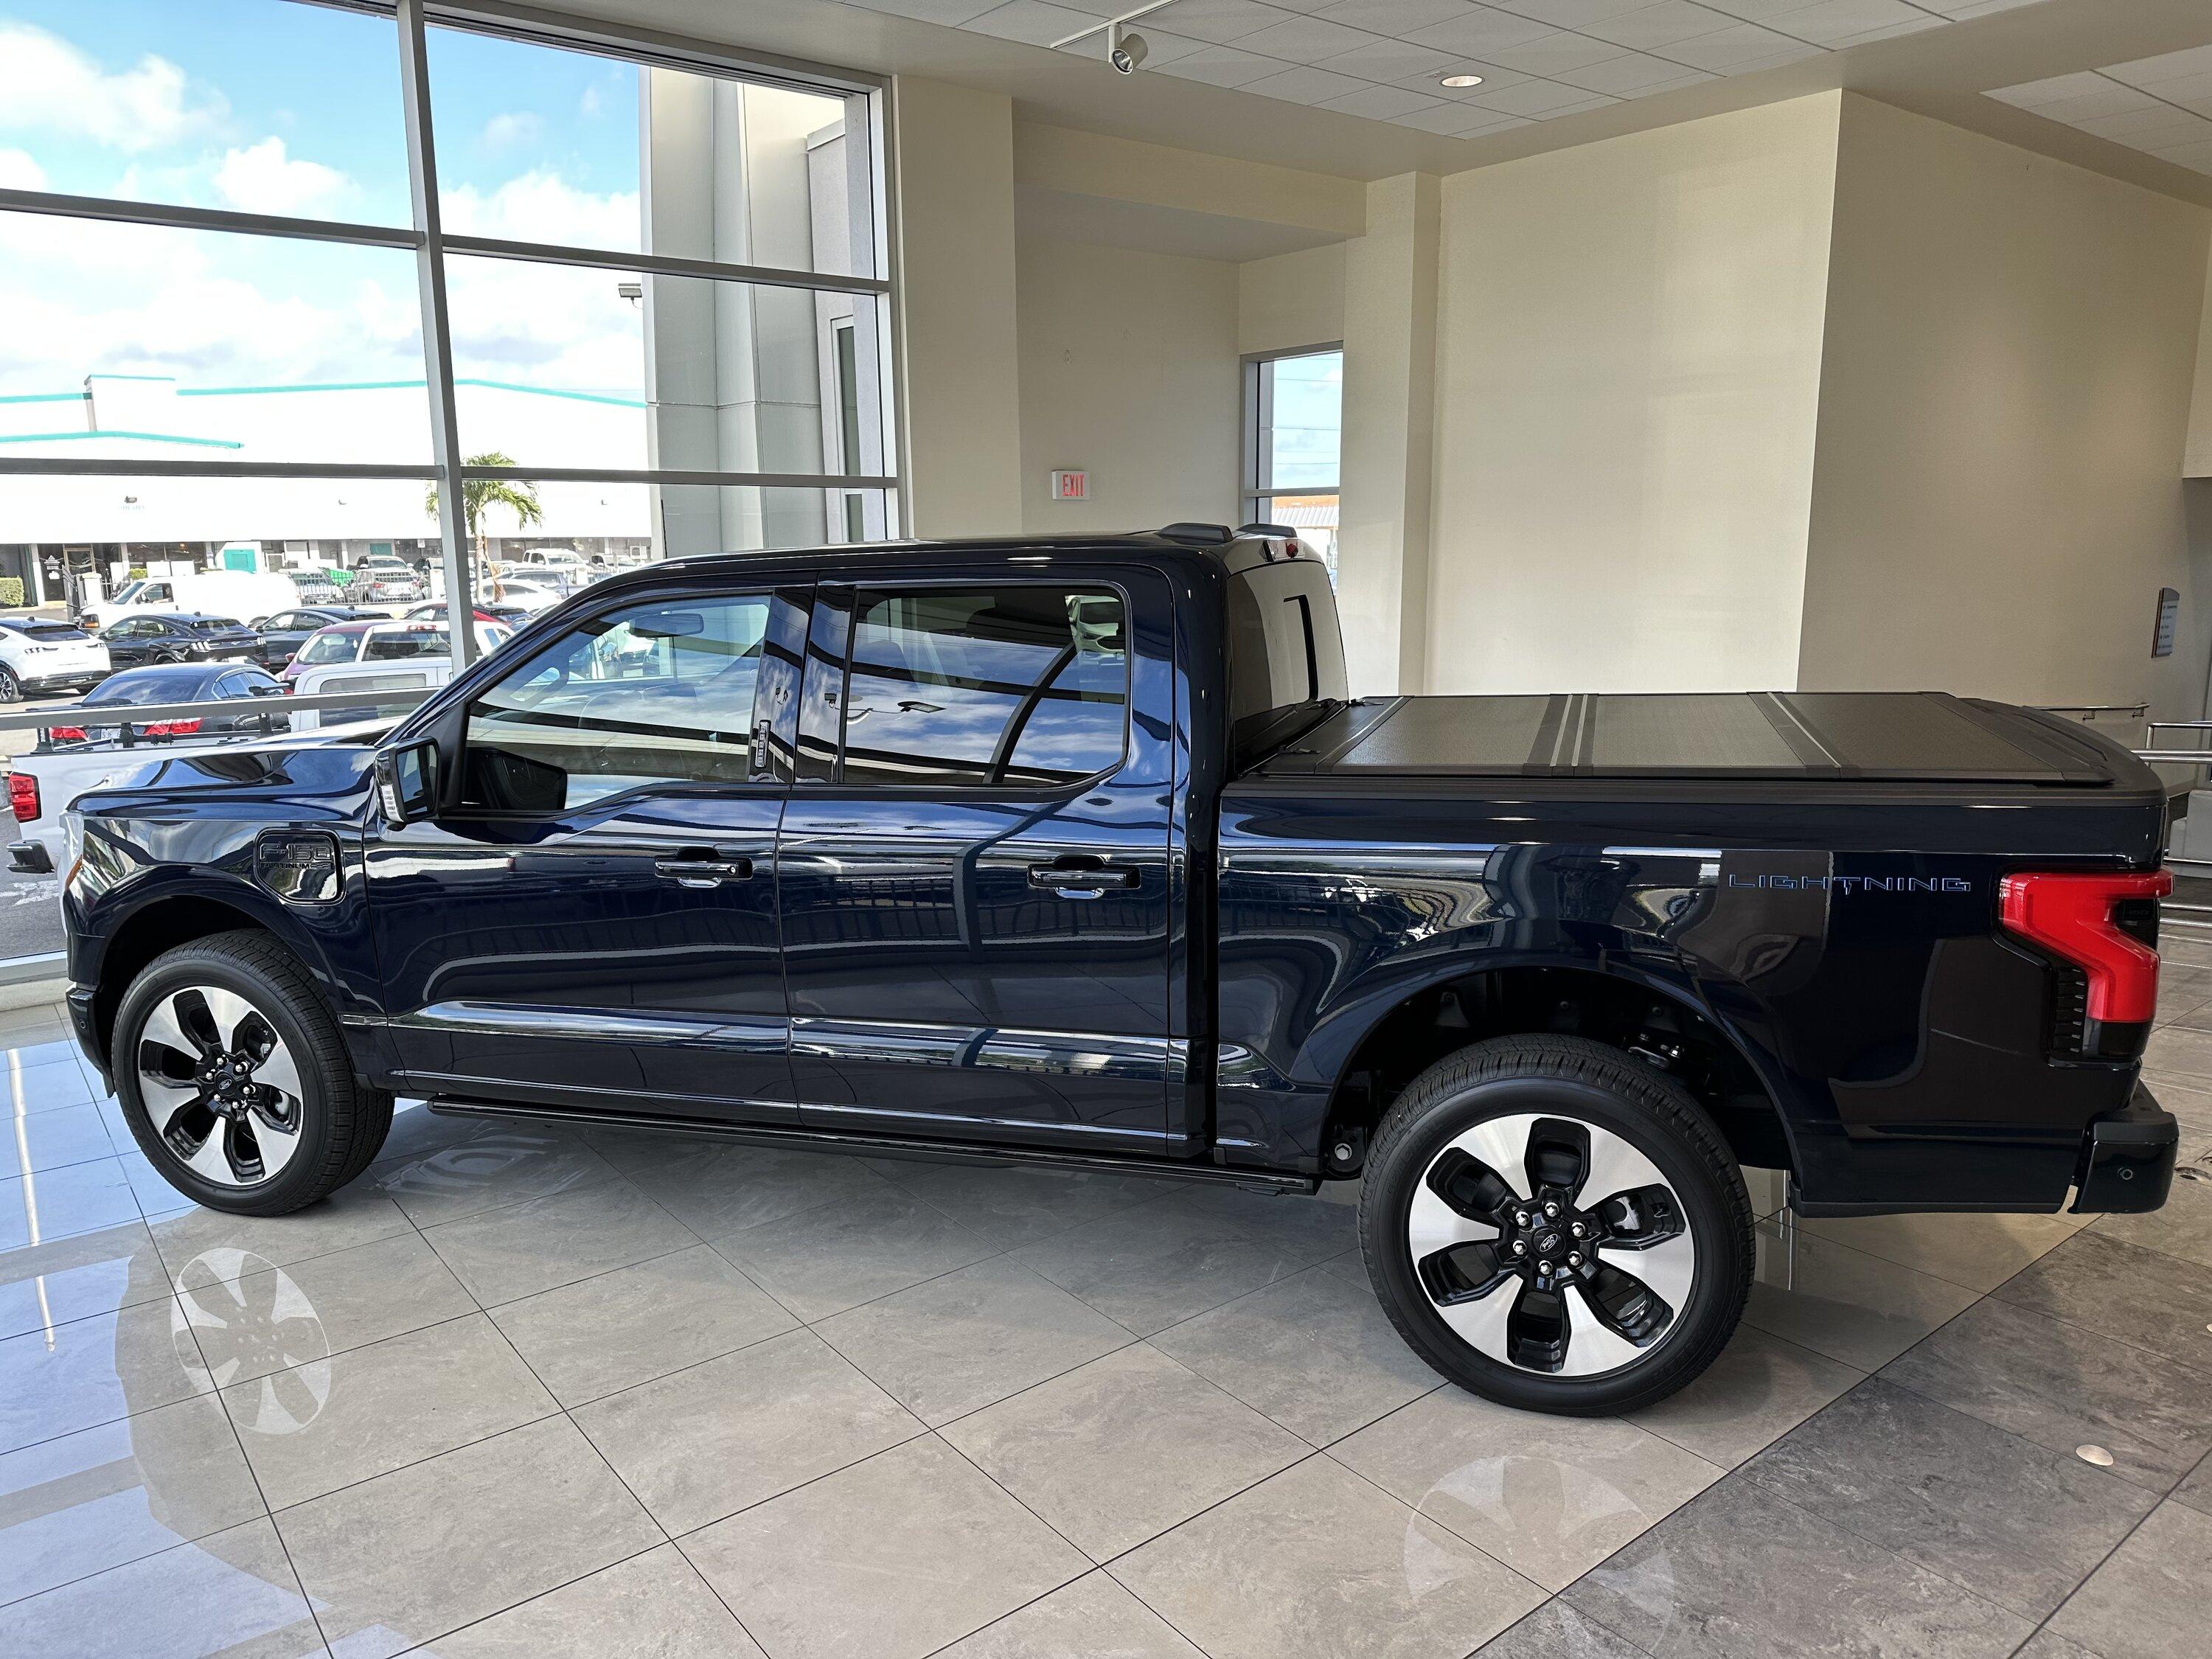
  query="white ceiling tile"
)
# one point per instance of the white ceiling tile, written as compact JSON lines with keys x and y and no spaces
{"x":1559,"y":50}
{"x":1305,"y":85}
{"x":1395,"y":18}
{"x":1531,"y":98}
{"x":1687,"y":78}
{"x":1624,"y":75}
{"x":1568,"y":14}
{"x":947,"y":12}
{"x":1482,"y":33}
{"x":1736,"y":50}
{"x":1383,"y":103}
{"x":1649,"y":27}
{"x":2033,"y":94}
{"x":1960,"y":10}
{"x":1832,"y":23}
{"x":2167,"y":66}
{"x":1913,"y":25}
{"x":1758,"y":11}
{"x":1223,"y":66}
{"x":1578,"y":107}
{"x":2110,"y":99}
{"x":1305,"y":39}
{"x":1309,"y":7}
{"x":2190,"y":90}
{"x":1391,"y":61}
{"x":1032,"y":21}
{"x":1220,"y":20}
{"x":1452,"y":122}
{"x":2150,"y":129}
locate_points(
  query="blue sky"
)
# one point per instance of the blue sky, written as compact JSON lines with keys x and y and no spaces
{"x":326,"y":83}
{"x":268,"y":106}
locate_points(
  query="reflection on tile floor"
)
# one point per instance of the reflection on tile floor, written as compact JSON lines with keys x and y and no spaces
{"x":521,"y":1391}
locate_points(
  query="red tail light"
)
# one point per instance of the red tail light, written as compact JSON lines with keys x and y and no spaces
{"x":23,"y":796}
{"x":2076,"y":916}
{"x":173,"y":728}
{"x":66,"y":733}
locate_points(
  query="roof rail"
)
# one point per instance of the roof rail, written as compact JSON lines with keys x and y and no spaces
{"x":1199,"y":535}
{"x":1283,"y":530}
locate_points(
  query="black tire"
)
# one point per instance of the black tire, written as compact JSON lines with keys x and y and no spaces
{"x":341,"y":1122}
{"x":11,"y":689}
{"x":1596,"y":1086}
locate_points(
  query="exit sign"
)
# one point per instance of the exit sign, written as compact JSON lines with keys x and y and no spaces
{"x":1071,"y":486}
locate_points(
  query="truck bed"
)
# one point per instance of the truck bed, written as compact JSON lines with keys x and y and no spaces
{"x":1906,"y":737}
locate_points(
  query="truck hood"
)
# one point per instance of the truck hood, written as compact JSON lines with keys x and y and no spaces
{"x":316,"y":767}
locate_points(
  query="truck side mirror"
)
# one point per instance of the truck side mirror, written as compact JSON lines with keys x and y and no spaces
{"x":407,"y":782}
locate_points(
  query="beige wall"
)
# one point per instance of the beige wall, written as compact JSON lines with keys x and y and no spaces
{"x":1997,"y":497}
{"x":1291,"y":301}
{"x":1128,"y":369}
{"x":953,"y":149}
{"x":1628,"y":376}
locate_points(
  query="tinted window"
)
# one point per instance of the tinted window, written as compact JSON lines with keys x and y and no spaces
{"x":413,"y":642}
{"x":1286,"y":651}
{"x":658,"y":693}
{"x":329,"y":648}
{"x":1002,"y":685}
{"x":142,"y":686}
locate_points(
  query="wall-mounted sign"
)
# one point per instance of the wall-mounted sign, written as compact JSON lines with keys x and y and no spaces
{"x":2169,"y":623}
{"x":1071,"y":486}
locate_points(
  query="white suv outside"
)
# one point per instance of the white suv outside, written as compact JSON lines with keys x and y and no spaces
{"x":40,"y":655}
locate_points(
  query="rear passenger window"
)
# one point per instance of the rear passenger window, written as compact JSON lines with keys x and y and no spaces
{"x":658,"y":693}
{"x":1008,"y":685}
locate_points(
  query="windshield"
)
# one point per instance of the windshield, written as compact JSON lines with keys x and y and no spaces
{"x":330,"y":647}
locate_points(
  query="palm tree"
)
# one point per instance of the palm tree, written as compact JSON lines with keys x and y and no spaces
{"x":477,"y":494}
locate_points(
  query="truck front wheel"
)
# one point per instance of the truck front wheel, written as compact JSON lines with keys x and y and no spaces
{"x":1556,"y":1226}
{"x":236,"y":1081}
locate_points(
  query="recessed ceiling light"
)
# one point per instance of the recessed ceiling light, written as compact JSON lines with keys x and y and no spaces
{"x":1456,"y":82}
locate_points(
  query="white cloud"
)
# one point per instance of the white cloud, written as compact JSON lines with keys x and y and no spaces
{"x":263,"y":179}
{"x":542,"y":207}
{"x":589,"y":104}
{"x":513,"y":127}
{"x":19,"y":172}
{"x":49,"y":86}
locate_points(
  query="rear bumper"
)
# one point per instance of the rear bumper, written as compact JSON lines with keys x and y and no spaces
{"x":42,"y":685}
{"x":2127,"y":1160}
{"x":30,"y":858}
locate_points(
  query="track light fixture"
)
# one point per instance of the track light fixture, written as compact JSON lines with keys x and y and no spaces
{"x":1124,"y":48}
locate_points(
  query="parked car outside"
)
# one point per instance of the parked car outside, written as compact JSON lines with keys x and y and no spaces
{"x":174,"y":682}
{"x":513,"y":615}
{"x":1090,"y":860}
{"x":284,"y":634}
{"x":385,"y":579}
{"x":177,"y":636}
{"x":40,"y":656}
{"x":383,"y":641}
{"x":222,"y":593}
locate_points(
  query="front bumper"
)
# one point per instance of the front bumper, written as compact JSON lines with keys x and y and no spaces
{"x":2127,"y":1160}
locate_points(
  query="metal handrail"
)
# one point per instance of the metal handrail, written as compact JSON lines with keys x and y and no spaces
{"x":128,"y":714}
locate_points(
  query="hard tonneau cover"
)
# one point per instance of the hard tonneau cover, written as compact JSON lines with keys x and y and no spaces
{"x":1895,"y":736}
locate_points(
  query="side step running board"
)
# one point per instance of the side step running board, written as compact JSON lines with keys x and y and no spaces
{"x":934,"y":1152}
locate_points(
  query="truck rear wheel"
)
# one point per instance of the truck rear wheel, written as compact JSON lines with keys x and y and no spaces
{"x":1556,"y":1226}
{"x":236,"y":1081}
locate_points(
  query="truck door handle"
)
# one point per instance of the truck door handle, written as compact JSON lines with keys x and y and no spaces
{"x":1081,"y":876}
{"x":703,"y":866}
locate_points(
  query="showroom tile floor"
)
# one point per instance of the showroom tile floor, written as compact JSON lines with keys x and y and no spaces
{"x":519,"y":1391}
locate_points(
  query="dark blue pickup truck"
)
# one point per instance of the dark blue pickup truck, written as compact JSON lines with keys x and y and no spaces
{"x":1078,"y":853}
